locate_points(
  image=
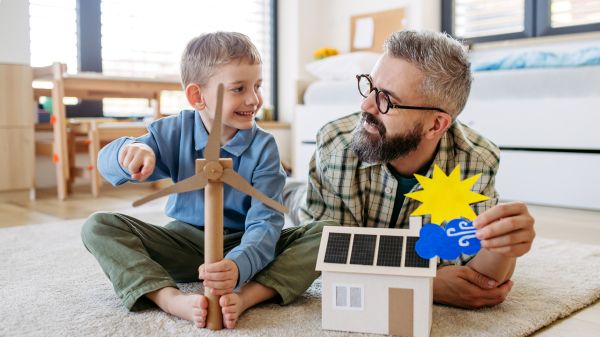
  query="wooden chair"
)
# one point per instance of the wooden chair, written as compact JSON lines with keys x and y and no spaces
{"x":90,"y":135}
{"x":97,"y":135}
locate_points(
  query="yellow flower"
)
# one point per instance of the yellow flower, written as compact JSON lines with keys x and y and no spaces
{"x":324,"y":52}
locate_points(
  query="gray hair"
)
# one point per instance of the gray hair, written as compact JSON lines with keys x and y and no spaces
{"x":204,"y":54}
{"x":442,"y":60}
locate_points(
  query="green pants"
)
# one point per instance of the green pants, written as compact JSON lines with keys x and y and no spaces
{"x":139,"y":258}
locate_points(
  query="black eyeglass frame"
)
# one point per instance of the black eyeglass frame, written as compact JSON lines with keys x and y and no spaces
{"x":390,"y":105}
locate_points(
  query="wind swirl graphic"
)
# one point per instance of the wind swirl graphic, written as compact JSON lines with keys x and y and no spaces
{"x":458,"y":238}
{"x":467,"y":232}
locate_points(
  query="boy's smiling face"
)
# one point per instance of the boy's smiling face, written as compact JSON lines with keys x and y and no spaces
{"x":241,"y":100}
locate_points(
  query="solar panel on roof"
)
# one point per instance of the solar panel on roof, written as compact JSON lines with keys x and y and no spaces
{"x":412,"y":258}
{"x":337,"y":248}
{"x":390,"y":251}
{"x":363,"y":249}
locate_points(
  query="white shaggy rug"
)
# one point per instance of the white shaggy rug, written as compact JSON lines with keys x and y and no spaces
{"x":51,"y":286}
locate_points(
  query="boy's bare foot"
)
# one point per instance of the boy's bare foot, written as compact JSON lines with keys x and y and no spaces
{"x":232,"y":305}
{"x":191,"y":307}
{"x":248,"y":295}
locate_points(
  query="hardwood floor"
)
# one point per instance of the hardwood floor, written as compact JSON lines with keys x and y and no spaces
{"x":551,"y":222}
{"x":80,"y":204}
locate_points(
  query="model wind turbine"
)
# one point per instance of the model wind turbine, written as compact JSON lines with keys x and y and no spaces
{"x":211,"y":173}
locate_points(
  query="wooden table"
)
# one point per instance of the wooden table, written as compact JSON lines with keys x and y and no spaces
{"x":90,"y":86}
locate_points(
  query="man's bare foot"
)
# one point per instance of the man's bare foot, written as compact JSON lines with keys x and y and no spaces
{"x":191,"y":307}
{"x":248,"y":295}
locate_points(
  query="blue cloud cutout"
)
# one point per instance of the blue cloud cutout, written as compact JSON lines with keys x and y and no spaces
{"x":458,"y":237}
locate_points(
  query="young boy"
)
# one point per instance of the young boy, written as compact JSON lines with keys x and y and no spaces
{"x":144,"y":261}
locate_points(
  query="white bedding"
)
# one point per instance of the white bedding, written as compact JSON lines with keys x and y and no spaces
{"x":326,"y":92}
{"x":537,"y":83}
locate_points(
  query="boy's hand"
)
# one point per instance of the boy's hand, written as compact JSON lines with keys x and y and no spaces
{"x":139,"y":159}
{"x":506,"y":229}
{"x":221,"y":276}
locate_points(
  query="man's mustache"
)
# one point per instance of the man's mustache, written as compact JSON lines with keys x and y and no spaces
{"x":369,"y":118}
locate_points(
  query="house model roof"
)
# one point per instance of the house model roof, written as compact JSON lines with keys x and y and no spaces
{"x":365,"y":250}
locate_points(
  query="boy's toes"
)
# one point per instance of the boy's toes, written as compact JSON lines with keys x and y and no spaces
{"x":229,"y":322}
{"x":203,"y":302}
{"x":226,"y":300}
{"x":228,"y":310}
{"x":200,"y":318}
{"x":198,"y":312}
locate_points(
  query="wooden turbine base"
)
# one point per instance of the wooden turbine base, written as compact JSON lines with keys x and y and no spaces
{"x":213,"y":236}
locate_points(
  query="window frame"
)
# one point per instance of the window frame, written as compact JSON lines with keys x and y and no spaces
{"x":537,"y":23}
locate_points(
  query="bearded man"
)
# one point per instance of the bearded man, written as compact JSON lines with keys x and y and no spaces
{"x":365,"y":163}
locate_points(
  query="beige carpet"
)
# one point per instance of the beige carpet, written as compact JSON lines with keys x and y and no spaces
{"x":51,"y":286}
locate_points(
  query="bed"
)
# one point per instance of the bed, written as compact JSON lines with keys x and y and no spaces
{"x":545,"y":121}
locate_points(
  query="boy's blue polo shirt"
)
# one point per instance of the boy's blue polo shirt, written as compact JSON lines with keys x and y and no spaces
{"x":177,"y":142}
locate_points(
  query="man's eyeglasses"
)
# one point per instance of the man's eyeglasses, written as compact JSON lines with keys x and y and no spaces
{"x":365,"y":87}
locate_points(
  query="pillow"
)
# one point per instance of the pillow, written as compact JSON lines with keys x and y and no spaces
{"x":343,"y":66}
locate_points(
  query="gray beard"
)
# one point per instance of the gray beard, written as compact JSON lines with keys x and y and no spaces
{"x":383,"y":149}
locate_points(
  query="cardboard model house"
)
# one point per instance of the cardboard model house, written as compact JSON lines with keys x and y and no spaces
{"x":373,"y":280}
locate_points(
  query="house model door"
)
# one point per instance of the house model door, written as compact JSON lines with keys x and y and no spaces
{"x":401,"y":312}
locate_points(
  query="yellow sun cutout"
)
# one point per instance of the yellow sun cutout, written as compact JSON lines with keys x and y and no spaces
{"x":446,"y":197}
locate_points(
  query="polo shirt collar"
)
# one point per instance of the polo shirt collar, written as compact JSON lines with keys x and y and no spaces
{"x":240,"y":142}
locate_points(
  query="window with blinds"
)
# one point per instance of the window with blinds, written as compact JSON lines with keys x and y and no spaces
{"x":53,"y":33}
{"x":146,"y":39}
{"x":567,"y":13}
{"x":477,"y":18}
{"x":495,"y":20}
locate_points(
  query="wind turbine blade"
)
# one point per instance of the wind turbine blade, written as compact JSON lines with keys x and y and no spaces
{"x":236,"y":181}
{"x":195,"y":182}
{"x":213,"y":145}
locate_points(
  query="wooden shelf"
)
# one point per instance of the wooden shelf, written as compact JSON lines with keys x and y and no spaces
{"x":273,"y":125}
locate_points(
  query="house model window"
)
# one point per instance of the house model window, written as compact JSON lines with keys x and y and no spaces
{"x":349,"y":296}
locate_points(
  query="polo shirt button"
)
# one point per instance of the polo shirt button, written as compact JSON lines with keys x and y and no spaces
{"x":388,"y":190}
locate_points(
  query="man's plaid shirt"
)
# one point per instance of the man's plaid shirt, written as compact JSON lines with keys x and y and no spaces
{"x":354,"y":193}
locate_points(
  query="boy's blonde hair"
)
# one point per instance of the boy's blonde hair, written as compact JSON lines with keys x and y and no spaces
{"x":204,"y":54}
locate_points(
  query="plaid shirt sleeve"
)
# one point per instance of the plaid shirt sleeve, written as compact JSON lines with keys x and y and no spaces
{"x":317,"y":191}
{"x":323,"y":197}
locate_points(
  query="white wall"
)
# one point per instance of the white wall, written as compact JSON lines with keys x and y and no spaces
{"x":307,"y":25}
{"x":336,"y":27}
{"x":14,"y":31}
